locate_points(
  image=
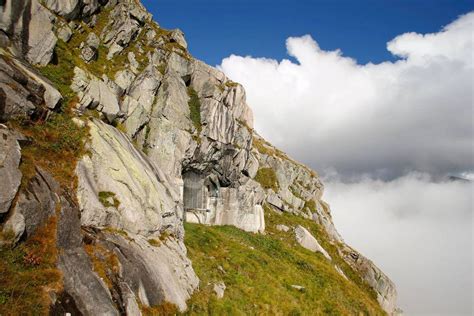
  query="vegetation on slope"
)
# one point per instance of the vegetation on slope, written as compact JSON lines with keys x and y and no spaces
{"x":28,"y":272}
{"x":267,"y":178}
{"x":195,"y":109}
{"x":259,"y":271}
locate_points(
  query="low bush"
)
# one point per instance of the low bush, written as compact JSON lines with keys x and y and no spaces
{"x":267,"y":178}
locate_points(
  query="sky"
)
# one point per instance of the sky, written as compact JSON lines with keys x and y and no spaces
{"x":215,"y":29}
{"x":377,"y":96}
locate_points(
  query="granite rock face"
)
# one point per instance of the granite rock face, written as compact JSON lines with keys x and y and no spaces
{"x":24,"y":92}
{"x":377,"y":280}
{"x":120,"y":188}
{"x":172,"y":141}
{"x":142,"y":201}
{"x":95,"y":93}
{"x":28,"y":26}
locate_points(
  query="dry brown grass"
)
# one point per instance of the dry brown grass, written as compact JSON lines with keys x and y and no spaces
{"x":28,"y":272}
{"x":104,"y":261}
{"x":164,"y":309}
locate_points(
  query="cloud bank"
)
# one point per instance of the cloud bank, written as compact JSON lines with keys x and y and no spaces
{"x":419,"y":232}
{"x":394,"y":121}
{"x":384,"y":119}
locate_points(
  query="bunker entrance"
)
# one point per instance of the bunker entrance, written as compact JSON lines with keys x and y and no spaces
{"x":194,"y":195}
{"x":198,"y":191}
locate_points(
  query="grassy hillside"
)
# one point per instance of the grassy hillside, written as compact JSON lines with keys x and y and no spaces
{"x":259,"y":271}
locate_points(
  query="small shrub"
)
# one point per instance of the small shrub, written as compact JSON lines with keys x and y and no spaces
{"x":154,"y":242}
{"x":267,"y":178}
{"x":162,"y":68}
{"x":231,"y":84}
{"x":112,"y":230}
{"x":105,"y":196}
{"x":120,"y":126}
{"x":311,"y":205}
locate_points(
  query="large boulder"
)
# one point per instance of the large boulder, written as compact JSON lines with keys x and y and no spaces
{"x":306,"y":240}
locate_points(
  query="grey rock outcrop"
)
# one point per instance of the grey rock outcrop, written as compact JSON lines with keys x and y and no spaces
{"x":156,"y":274}
{"x":29,"y":29}
{"x":88,"y":291}
{"x":306,"y":240}
{"x":95,"y":93}
{"x":145,"y":204}
{"x":219,"y":289}
{"x":68,"y":9}
{"x":10,"y":174}
{"x":375,"y":278}
{"x":125,"y":22}
{"x":36,"y":203}
{"x":23,"y":91}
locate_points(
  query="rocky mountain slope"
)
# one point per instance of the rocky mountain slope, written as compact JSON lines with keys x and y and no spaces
{"x":113,"y":136}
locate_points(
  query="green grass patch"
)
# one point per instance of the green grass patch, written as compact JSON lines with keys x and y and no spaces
{"x":108,"y":199}
{"x":259,"y":271}
{"x":61,"y":71}
{"x":311,"y":205}
{"x":267,"y":178}
{"x":195,"y":109}
{"x":231,"y":84}
{"x":154,"y":242}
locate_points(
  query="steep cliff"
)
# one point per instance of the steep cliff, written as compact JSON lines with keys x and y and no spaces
{"x":113,"y":136}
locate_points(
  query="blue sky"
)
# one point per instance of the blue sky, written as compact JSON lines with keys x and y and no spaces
{"x":215,"y":29}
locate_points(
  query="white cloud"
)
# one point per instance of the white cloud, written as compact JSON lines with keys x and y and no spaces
{"x":418,"y":231}
{"x":389,"y":118}
{"x":386,"y":121}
